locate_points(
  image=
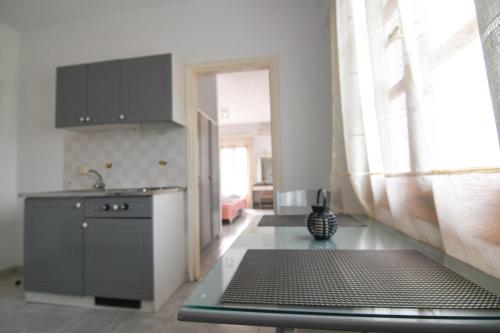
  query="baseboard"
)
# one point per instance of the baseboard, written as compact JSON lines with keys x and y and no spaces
{"x":13,"y":270}
{"x":81,"y":301}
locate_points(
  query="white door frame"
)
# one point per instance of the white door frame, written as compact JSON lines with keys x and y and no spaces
{"x":192,"y":72}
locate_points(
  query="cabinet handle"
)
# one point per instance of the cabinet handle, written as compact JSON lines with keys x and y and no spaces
{"x":85,"y":225}
{"x":82,"y":119}
{"x":78,"y":205}
{"x":122,"y":117}
{"x":87,"y":119}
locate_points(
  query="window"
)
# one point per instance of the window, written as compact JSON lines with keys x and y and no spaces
{"x":444,"y":62}
{"x":234,"y":171}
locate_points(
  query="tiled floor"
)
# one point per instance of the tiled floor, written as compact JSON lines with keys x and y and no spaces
{"x":18,"y":316}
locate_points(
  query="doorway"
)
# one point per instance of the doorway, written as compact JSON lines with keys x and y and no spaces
{"x":261,"y":170}
{"x":246,"y":142}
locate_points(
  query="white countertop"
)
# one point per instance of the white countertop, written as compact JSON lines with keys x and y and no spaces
{"x":104,"y":193}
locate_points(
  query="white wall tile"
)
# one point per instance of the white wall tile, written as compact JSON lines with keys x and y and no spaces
{"x":133,"y":153}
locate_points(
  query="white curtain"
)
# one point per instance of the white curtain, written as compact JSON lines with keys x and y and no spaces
{"x":488,"y":17}
{"x":234,"y":171}
{"x":420,"y":139}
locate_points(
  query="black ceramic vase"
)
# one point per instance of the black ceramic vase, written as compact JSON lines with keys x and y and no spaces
{"x":321,"y":222}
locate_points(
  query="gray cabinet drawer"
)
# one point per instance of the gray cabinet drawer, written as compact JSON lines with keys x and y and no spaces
{"x":116,"y":207}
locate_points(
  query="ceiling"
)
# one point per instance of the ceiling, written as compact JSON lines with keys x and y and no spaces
{"x":29,"y":14}
{"x":243,"y":98}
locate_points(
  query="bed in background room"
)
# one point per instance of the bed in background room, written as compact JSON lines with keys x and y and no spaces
{"x":232,"y":207}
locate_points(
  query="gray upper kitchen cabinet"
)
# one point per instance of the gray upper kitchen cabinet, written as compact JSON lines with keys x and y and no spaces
{"x":103,"y":92}
{"x":119,"y":258}
{"x":137,"y":90}
{"x":71,"y":96}
{"x":53,"y":246}
{"x":146,"y":88}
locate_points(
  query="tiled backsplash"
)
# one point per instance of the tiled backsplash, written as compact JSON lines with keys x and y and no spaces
{"x":126,"y":158}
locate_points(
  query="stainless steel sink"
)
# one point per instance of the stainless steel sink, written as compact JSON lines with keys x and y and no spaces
{"x":116,"y":191}
{"x":97,"y":192}
{"x":140,"y":189}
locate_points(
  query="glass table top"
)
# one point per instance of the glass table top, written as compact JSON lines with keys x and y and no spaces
{"x":374,"y":236}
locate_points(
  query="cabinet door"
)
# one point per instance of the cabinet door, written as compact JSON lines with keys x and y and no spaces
{"x":204,"y":183}
{"x":103,"y":92}
{"x":71,"y":96}
{"x":146,"y":88}
{"x":119,"y":258}
{"x":215,"y":180}
{"x":53,"y":246}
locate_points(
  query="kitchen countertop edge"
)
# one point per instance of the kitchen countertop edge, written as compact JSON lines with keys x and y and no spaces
{"x":90,"y":193}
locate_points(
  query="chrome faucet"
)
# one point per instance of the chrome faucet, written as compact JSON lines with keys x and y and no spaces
{"x":100,"y":185}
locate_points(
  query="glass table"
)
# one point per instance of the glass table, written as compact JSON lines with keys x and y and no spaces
{"x":204,"y":305}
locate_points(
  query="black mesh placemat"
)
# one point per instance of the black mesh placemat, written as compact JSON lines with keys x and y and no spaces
{"x":343,"y":220}
{"x":353,"y":278}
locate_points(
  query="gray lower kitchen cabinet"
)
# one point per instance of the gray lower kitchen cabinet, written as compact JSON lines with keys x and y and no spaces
{"x":66,"y":252}
{"x":146,"y":88}
{"x":71,"y":96}
{"x":105,"y":248}
{"x":119,"y":258}
{"x":124,"y":91}
{"x":53,"y":251}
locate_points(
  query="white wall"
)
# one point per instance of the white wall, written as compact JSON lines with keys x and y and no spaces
{"x":207,"y":96}
{"x":197,"y":31}
{"x":9,"y":55}
{"x":244,"y":97}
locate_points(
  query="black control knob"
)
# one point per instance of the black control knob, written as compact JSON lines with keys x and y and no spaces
{"x":124,"y":206}
{"x":105,"y":207}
